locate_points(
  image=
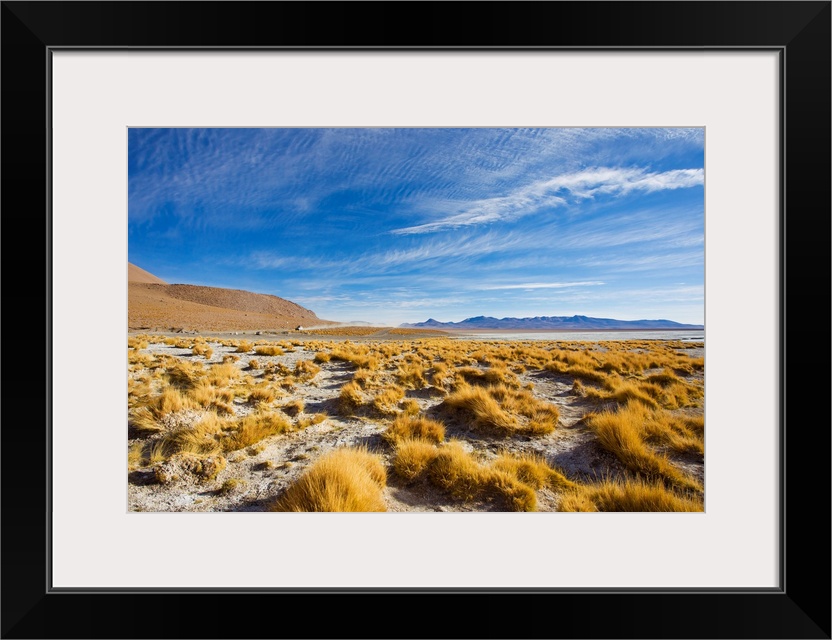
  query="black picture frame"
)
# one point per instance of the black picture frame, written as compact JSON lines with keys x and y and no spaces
{"x":799,"y":608}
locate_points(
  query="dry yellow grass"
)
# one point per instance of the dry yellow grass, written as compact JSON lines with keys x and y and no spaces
{"x":350,"y":398}
{"x":498,"y":408}
{"x":184,"y":374}
{"x":268,"y":350}
{"x":632,"y":495}
{"x":509,"y":480}
{"x":293,"y":407}
{"x":386,"y":401}
{"x":221,"y":375}
{"x":253,"y":428}
{"x":456,"y":471}
{"x":244,"y":346}
{"x":262,"y":394}
{"x":533,"y":471}
{"x":348,"y":479}
{"x":306,"y":370}
{"x":411,"y":376}
{"x":622,"y":434}
{"x":413,"y":456}
{"x":406,"y":427}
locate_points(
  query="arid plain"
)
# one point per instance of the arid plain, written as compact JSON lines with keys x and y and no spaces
{"x":231,"y":407}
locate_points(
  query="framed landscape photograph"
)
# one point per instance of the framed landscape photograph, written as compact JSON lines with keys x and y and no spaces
{"x":240,"y":399}
{"x":498,"y":314}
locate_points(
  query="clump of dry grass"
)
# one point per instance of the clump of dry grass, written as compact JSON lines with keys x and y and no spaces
{"x":622,"y":433}
{"x":184,"y":374}
{"x":357,"y":355}
{"x":411,"y":375}
{"x":244,"y":346}
{"x":498,"y":408}
{"x":306,"y":370}
{"x":221,"y":375}
{"x":139,"y":359}
{"x":347,"y":479}
{"x":533,"y":471}
{"x":136,"y":456}
{"x":631,"y":495}
{"x":229,"y":485}
{"x":350,"y":398}
{"x":407,"y":427}
{"x":495,"y":375}
{"x":200,"y":438}
{"x":137,"y":342}
{"x":253,"y":428}
{"x":410,"y":407}
{"x":456,"y":471}
{"x":486,"y":412}
{"x":293,"y":407}
{"x":441,"y":376}
{"x":202,"y":349}
{"x":510,"y":480}
{"x":146,"y":418}
{"x":322,"y":357}
{"x":386,"y":401}
{"x":268,"y":350}
{"x":413,"y":457}
{"x":262,"y":395}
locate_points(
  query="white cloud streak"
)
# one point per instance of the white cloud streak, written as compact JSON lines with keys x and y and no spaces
{"x":541,"y":285}
{"x":541,"y":194}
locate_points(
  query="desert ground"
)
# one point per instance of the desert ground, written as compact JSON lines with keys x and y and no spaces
{"x":408,"y":421}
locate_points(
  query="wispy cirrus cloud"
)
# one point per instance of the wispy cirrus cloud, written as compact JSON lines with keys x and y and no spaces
{"x":541,"y":285}
{"x":551,"y":192}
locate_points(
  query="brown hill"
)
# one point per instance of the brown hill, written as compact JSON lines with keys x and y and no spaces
{"x":137,"y":274}
{"x":155,"y":305}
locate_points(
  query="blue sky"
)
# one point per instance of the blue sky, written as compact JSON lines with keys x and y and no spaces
{"x":401,"y":225}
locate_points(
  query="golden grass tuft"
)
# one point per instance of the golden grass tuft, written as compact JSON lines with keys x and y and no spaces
{"x":632,"y":495}
{"x":456,"y":471}
{"x":244,"y":346}
{"x":410,"y":407}
{"x":293,"y":407}
{"x":253,"y":428}
{"x":306,"y":370}
{"x":268,"y":350}
{"x":533,"y":471}
{"x":498,"y":408}
{"x":347,"y":479}
{"x":495,"y":375}
{"x":387,"y":400}
{"x":185,"y":374}
{"x":262,"y":395}
{"x":622,"y":433}
{"x":202,"y":349}
{"x":411,"y":376}
{"x":406,"y":427}
{"x":484,"y":409}
{"x":221,"y":375}
{"x":413,"y":457}
{"x":350,"y":398}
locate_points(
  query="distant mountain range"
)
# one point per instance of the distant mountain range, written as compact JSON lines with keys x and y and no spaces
{"x":563,"y":323}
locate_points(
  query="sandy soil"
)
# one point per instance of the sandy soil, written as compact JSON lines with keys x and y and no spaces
{"x":266,"y":469}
